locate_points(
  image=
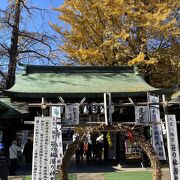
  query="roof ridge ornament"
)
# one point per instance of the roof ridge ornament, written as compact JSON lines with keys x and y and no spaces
{"x":136,"y":70}
{"x":24,"y":67}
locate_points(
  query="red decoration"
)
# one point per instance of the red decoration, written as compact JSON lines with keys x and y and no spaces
{"x":130,"y":136}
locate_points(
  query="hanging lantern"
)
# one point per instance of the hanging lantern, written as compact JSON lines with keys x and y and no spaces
{"x":94,"y":109}
{"x":101,"y":109}
{"x":86,"y":110}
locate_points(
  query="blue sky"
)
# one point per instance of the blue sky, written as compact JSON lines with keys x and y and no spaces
{"x":47,"y":3}
{"x":43,"y":4}
{"x":39,"y":3}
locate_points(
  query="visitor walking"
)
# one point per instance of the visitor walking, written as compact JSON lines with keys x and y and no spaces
{"x":13,"y":155}
{"x":79,"y":154}
{"x":87,"y":151}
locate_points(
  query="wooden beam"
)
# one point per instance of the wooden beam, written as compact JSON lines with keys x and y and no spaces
{"x":101,"y":104}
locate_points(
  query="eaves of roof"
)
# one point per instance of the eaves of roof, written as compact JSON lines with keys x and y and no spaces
{"x":13,"y":107}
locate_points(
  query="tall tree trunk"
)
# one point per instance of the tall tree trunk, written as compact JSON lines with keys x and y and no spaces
{"x":155,"y":163}
{"x":63,"y":171}
{"x":13,"y":51}
{"x":67,"y":159}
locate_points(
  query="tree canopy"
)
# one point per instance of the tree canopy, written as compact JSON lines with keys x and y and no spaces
{"x":118,"y":32}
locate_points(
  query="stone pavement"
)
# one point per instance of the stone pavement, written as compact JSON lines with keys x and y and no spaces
{"x":100,"y":175}
{"x":89,"y":176}
{"x":15,"y":177}
{"x":93,"y":171}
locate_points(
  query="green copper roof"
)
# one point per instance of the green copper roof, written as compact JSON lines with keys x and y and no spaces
{"x":12,"y":110}
{"x":19,"y":107}
{"x":51,"y":80}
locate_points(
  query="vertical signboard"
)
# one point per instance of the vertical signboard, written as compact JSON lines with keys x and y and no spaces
{"x":173,"y":147}
{"x":141,"y":115}
{"x":105,"y":109}
{"x":158,"y":142}
{"x":110,"y":109}
{"x":44,"y":148}
{"x":72,"y":114}
{"x":154,"y":109}
{"x":56,"y":112}
{"x":53,"y":148}
{"x":157,"y":138}
{"x":41,"y":149}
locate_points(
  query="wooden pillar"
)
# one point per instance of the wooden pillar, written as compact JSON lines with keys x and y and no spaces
{"x":120,"y":153}
{"x":117,"y":148}
{"x":105,"y":148}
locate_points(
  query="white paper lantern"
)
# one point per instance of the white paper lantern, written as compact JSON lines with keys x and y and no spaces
{"x":94,"y":109}
{"x":101,"y":109}
{"x":86,"y":110}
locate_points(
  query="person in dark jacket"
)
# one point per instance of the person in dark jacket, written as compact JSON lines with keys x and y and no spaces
{"x":3,"y":164}
{"x":27,"y":152}
{"x":79,"y":154}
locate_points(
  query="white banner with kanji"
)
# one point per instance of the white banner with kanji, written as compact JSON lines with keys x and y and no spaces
{"x":56,"y":112}
{"x":157,"y":137}
{"x":141,"y":115}
{"x":158,"y":142}
{"x":173,"y":147}
{"x":72,"y":114}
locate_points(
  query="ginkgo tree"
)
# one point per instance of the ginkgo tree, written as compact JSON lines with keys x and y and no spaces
{"x":118,"y":32}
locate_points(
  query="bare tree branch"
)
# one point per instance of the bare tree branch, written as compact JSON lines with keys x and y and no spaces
{"x":18,"y":44}
{"x":41,"y":40}
{"x":4,"y":46}
{"x":39,"y":54}
{"x":25,"y":7}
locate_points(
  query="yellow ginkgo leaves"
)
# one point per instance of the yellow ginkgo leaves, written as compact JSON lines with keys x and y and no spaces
{"x":114,"y":32}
